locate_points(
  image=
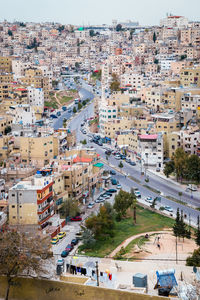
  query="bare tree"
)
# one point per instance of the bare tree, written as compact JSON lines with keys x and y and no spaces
{"x":21,"y":256}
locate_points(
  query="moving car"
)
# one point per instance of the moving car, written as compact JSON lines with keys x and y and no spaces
{"x":61,"y":234}
{"x":54,"y":240}
{"x":191,"y":187}
{"x":76,"y":219}
{"x":168,"y":208}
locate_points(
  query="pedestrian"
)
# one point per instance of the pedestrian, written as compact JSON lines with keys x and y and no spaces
{"x":158,"y":246}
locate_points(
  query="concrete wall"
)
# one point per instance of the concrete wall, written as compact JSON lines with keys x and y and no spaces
{"x":34,"y":289}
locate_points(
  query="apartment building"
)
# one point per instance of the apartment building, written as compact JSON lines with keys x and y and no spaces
{"x":174,"y":21}
{"x":31,"y":201}
{"x":132,"y":81}
{"x":5,"y":64}
{"x":5,"y":122}
{"x":190,"y":77}
{"x":36,"y":149}
{"x":150,"y":148}
{"x":166,"y":122}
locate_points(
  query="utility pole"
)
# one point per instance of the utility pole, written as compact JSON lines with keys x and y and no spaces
{"x":176,"y":251}
{"x":97,"y":271}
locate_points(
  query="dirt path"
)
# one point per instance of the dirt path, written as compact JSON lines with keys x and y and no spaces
{"x":130,"y":239}
{"x":57,"y":100}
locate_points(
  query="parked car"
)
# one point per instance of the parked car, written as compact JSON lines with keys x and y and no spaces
{"x":168,"y":208}
{"x":54,"y":240}
{"x":61,"y":234}
{"x":64,"y":253}
{"x":97,"y":200}
{"x":91,"y":205}
{"x":112,"y":190}
{"x":69,"y":247}
{"x":76,"y":219}
{"x":132,"y":163}
{"x":112,"y":172}
{"x":149,"y":199}
{"x":137,"y":194}
{"x":117,"y":157}
{"x":119,"y":186}
{"x":157,"y":169}
{"x":74,"y":242}
{"x":113,"y":181}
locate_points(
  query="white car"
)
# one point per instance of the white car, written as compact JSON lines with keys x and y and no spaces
{"x":149,"y":199}
{"x":119,"y":186}
{"x":137,"y":194}
{"x":168,"y":208}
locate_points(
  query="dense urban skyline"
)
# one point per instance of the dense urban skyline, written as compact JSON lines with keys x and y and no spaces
{"x":97,"y":12}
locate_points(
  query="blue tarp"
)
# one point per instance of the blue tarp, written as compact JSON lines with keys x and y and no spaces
{"x":166,"y":278}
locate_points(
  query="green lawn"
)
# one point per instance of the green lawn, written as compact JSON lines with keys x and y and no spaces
{"x":146,"y":221}
{"x":52,"y":104}
{"x":65,"y":99}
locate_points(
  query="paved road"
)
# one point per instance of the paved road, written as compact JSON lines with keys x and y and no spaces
{"x":167,"y":188}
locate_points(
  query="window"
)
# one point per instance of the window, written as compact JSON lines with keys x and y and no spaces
{"x":14,"y":217}
{"x":13,"y":195}
{"x":13,"y":206}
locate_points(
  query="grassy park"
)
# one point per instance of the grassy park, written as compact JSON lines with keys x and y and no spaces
{"x":146,"y":221}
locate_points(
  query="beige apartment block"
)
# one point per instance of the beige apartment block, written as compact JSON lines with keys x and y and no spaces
{"x":166,"y":123}
{"x":190,"y":77}
{"x":116,"y":126}
{"x":5,"y":64}
{"x":5,"y":121}
{"x":38,"y":150}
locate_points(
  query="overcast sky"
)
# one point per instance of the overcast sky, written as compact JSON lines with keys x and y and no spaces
{"x":84,"y":12}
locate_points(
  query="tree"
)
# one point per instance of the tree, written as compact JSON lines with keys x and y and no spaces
{"x":120,"y":165}
{"x":154,"y":37}
{"x":119,"y":27}
{"x":156,"y":61}
{"x":10,"y":32}
{"x":8,"y":129}
{"x":123,"y":200}
{"x":64,"y":123}
{"x":88,"y":238}
{"x":169,"y":168}
{"x":77,"y":65}
{"x":176,"y":227}
{"x":84,"y":142}
{"x":180,"y":195}
{"x":194,"y":260}
{"x":101,"y":225}
{"x":84,"y":102}
{"x":180,"y":158}
{"x":115,"y":84}
{"x":92,"y":33}
{"x":79,"y":105}
{"x":74,"y":110}
{"x":21,"y":255}
{"x":69,"y":208}
{"x":197,"y":233}
{"x":193,"y":167}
